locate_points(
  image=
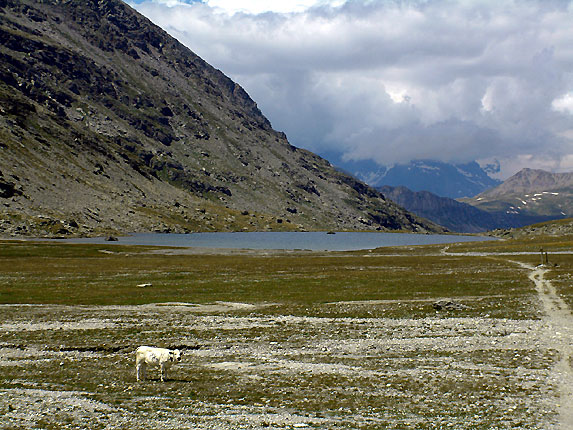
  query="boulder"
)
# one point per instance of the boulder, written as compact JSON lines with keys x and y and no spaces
{"x":449,"y":305}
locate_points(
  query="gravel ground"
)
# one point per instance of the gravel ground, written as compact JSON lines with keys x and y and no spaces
{"x":253,"y":367}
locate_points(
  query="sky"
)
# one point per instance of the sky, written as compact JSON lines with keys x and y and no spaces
{"x":397,"y":80}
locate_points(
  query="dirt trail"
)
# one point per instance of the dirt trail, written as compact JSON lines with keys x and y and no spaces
{"x":559,"y":322}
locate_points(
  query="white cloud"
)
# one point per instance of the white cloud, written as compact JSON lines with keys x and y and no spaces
{"x":252,"y":7}
{"x":512,"y":165}
{"x":261,"y":6}
{"x":171,"y":3}
{"x":564,"y":103}
{"x":400,"y":80}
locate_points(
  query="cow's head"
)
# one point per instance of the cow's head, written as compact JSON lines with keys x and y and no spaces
{"x":175,"y":355}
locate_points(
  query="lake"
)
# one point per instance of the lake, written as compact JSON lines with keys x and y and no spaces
{"x":314,"y":241}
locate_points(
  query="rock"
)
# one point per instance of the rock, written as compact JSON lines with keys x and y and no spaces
{"x":73,"y":224}
{"x":449,"y":305}
{"x":8,"y":189}
{"x":111,"y":239}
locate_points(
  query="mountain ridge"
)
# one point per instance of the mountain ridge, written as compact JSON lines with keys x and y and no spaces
{"x":531,"y":192}
{"x":530,"y":180}
{"x":454,"y":215}
{"x":110,"y":124}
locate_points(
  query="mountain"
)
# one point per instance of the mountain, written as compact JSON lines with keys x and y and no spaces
{"x":110,"y":125}
{"x":455,"y":216}
{"x":530,"y":192}
{"x":443,"y":179}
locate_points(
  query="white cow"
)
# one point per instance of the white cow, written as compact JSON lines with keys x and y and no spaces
{"x":161,"y":357}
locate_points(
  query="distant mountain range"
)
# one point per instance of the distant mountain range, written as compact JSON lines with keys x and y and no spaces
{"x":443,"y":179}
{"x":109,"y":124}
{"x":530,"y":196}
{"x":454,"y":215}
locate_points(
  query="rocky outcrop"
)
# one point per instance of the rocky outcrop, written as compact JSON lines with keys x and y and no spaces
{"x":449,"y":305}
{"x":559,"y":228}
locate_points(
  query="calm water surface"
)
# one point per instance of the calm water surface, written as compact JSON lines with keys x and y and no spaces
{"x":315,"y":241}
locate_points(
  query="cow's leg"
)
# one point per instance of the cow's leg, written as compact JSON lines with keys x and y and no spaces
{"x":162,"y":373}
{"x":141,"y":371}
{"x":138,"y":371}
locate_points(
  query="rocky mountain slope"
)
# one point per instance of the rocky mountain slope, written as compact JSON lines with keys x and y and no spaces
{"x":456,"y":216}
{"x":109,"y":124}
{"x":530,"y":192}
{"x":562,"y":229}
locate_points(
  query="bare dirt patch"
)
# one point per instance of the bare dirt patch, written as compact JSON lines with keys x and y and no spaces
{"x":559,"y":329}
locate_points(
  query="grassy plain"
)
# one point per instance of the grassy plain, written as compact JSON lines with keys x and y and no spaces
{"x":279,"y":339}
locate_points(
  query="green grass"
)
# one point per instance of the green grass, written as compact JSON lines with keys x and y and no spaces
{"x":83,"y":274}
{"x":345,"y":340}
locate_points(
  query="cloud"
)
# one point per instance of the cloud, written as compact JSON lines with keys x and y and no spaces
{"x":263,"y":6}
{"x":564,"y":103}
{"x":254,"y":7}
{"x":397,"y":80}
{"x":167,"y":3}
